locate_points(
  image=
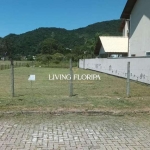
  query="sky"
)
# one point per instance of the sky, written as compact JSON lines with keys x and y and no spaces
{"x":20,"y":16}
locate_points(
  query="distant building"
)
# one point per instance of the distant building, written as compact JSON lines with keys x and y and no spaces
{"x":136,"y":25}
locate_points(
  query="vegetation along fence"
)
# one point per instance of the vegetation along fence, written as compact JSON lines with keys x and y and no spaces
{"x":6,"y":65}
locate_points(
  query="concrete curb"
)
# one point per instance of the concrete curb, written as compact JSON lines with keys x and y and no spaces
{"x":89,"y":112}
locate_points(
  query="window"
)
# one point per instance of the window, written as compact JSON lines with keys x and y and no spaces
{"x":147,"y":53}
{"x":133,"y":55}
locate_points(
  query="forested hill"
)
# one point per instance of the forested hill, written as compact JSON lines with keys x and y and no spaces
{"x":27,"y":43}
{"x":101,"y":28}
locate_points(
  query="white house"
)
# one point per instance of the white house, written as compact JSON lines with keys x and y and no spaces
{"x":136,"y":24}
{"x":135,"y":43}
{"x":112,"y":46}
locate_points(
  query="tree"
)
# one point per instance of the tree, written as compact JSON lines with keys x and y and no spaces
{"x":57,"y":57}
{"x":8,"y":46}
{"x":49,"y":46}
{"x":44,"y":59}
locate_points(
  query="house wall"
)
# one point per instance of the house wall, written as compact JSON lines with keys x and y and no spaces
{"x":102,"y":51}
{"x":126,"y":29}
{"x":140,"y":28}
{"x":139,"y":67}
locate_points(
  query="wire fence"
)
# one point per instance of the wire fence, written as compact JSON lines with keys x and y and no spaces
{"x":42,"y":87}
{"x":46,"y":95}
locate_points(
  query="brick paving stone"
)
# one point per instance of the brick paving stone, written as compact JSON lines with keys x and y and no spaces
{"x":74,"y":132}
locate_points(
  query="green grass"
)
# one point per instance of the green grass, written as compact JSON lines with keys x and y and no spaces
{"x":108,"y":94}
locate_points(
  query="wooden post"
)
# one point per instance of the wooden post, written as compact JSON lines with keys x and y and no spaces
{"x":128,"y":79}
{"x":12,"y":77}
{"x":71,"y":80}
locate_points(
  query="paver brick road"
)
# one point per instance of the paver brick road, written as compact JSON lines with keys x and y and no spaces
{"x":74,"y":132}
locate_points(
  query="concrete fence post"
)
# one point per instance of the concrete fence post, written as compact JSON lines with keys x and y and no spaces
{"x":12,"y":78}
{"x":128,"y":79}
{"x":71,"y":80}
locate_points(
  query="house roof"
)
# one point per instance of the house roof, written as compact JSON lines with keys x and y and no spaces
{"x":128,"y":9}
{"x":112,"y":44}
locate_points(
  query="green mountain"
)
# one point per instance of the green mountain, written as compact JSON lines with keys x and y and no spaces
{"x":28,"y":43}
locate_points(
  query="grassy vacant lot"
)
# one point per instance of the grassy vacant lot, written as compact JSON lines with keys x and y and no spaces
{"x":108,"y":94}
